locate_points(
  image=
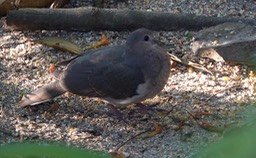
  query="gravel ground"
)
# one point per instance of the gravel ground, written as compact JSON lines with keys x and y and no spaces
{"x":86,"y":122}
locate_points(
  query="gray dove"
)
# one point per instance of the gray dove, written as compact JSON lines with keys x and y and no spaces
{"x":121,"y":74}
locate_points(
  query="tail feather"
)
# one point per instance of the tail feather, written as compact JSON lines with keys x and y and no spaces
{"x":43,"y":94}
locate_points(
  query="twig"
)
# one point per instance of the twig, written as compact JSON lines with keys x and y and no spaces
{"x":222,"y":90}
{"x":189,"y":63}
{"x":131,"y":139}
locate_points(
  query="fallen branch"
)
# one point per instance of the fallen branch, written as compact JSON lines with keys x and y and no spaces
{"x":189,"y":63}
{"x":87,"y":19}
{"x":6,"y":5}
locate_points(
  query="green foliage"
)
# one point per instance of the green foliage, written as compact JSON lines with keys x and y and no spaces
{"x":189,"y":36}
{"x":32,"y":150}
{"x":238,"y":143}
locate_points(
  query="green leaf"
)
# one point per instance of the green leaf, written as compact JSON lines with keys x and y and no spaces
{"x":237,"y":143}
{"x":32,"y":150}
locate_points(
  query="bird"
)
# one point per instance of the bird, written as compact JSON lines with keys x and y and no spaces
{"x":119,"y":74}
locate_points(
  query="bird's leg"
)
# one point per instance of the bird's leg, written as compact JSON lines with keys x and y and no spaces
{"x":116,"y":112}
{"x":146,"y":108}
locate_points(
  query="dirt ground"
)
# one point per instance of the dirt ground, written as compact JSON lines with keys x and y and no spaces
{"x":216,"y":99}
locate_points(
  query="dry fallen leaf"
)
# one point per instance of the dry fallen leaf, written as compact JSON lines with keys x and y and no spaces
{"x":251,"y":74}
{"x":207,"y":126}
{"x":104,"y":41}
{"x":158,"y":130}
{"x":117,"y":155}
{"x":52,"y":68}
{"x":65,"y":45}
{"x":190,"y":69}
{"x":210,"y":127}
{"x":55,"y":106}
{"x":61,"y":44}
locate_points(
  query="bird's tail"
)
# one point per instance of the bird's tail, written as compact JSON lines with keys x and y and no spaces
{"x":43,"y":94}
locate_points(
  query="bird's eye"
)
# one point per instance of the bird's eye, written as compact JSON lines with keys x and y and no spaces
{"x":146,"y":38}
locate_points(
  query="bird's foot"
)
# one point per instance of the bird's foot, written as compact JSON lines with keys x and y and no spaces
{"x":146,"y":108}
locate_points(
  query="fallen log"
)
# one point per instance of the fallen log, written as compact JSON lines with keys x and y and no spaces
{"x":6,"y":5}
{"x":87,"y":19}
